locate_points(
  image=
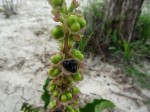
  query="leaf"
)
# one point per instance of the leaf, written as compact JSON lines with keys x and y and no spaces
{"x":90,"y":107}
{"x":112,"y":48}
{"x":104,"y":105}
{"x":46,"y":96}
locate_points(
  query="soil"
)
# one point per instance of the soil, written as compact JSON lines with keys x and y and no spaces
{"x":25,"y":48}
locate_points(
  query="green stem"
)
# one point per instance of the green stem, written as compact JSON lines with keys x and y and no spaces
{"x":66,"y":46}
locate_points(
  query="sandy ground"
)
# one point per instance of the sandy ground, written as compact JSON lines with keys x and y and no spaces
{"x":25,"y":47}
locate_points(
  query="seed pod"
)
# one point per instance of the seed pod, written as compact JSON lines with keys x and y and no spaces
{"x":82,"y":22}
{"x":57,"y":32}
{"x":56,"y":58}
{"x":75,"y":27}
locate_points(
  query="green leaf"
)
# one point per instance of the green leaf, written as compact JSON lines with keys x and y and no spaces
{"x":104,"y":105}
{"x":90,"y":107}
{"x":46,"y":96}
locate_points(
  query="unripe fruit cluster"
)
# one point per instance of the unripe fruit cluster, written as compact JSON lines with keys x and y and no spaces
{"x":75,"y":23}
{"x":66,"y":65}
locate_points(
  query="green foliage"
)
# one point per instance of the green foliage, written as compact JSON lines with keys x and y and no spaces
{"x":147,"y":101}
{"x":103,"y":39}
{"x":82,"y":44}
{"x":94,"y":13}
{"x":29,"y":108}
{"x":143,"y":27}
{"x":98,"y":106}
{"x":46,"y":96}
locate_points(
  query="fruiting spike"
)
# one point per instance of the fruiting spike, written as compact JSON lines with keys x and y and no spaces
{"x":66,"y":65}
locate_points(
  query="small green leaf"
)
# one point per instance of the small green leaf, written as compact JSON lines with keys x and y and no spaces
{"x":90,"y":107}
{"x":45,"y":96}
{"x":104,"y":105}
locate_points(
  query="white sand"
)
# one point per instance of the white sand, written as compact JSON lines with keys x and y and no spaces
{"x":25,"y":46}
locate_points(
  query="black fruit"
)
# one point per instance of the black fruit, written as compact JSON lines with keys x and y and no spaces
{"x":70,"y":65}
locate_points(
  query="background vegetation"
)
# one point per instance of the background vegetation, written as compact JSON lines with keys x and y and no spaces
{"x":127,"y":53}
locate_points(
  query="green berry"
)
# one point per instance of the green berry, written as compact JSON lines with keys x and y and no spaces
{"x":69,"y":109}
{"x":56,"y":93}
{"x":75,"y":90}
{"x":52,"y":88}
{"x":51,"y":83}
{"x":57,"y":2}
{"x":56,"y":72}
{"x":52,"y":104}
{"x":82,"y":22}
{"x":71,"y":19}
{"x":80,"y":56}
{"x":75,"y":27}
{"x":63,"y":98}
{"x":77,"y":76}
{"x":50,"y":72}
{"x":77,"y":54}
{"x":56,"y":58}
{"x":58,"y":32}
{"x":69,"y":96}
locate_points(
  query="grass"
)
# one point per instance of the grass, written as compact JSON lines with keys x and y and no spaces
{"x":101,"y":40}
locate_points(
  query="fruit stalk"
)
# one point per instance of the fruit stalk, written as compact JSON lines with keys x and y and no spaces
{"x":66,"y":46}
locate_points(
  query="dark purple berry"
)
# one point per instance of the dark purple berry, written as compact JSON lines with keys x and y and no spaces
{"x":70,"y":65}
